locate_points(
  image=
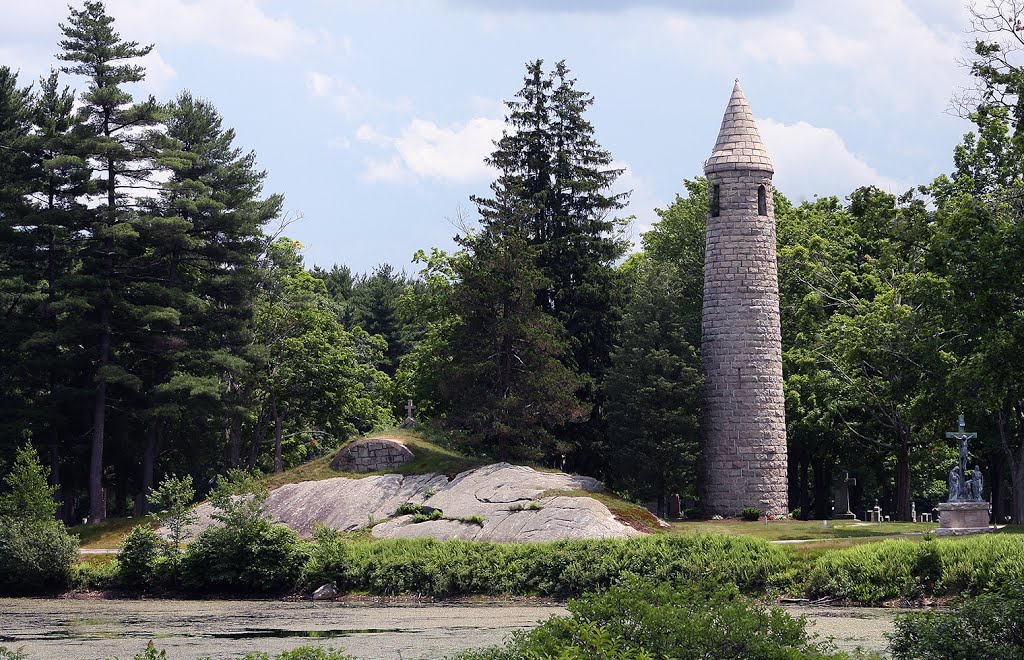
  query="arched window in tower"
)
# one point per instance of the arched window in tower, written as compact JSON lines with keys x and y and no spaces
{"x":762,"y":201}
{"x":714,"y":201}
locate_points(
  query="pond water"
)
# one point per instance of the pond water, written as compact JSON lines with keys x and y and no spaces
{"x":97,"y":629}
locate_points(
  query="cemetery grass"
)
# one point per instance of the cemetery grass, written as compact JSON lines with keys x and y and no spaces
{"x":793,"y":530}
{"x":430,"y":457}
{"x":107,"y":534}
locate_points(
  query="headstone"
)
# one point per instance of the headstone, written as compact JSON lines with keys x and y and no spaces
{"x":875,"y":514}
{"x":913,"y":511}
{"x":409,"y":421}
{"x":675,"y":510}
{"x":842,"y":508}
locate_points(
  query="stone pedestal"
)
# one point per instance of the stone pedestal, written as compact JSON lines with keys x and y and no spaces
{"x":956,"y":518}
{"x":849,"y":515}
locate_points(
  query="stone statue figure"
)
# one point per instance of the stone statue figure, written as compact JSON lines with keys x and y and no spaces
{"x":976,"y":484}
{"x":963,"y":454}
{"x":954,"y":484}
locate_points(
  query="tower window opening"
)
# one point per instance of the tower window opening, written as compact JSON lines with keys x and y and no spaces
{"x":762,"y":201}
{"x":714,"y":201}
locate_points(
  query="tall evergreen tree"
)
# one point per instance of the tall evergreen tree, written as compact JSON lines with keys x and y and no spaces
{"x":652,"y":392}
{"x":507,"y":391}
{"x":557,"y":180}
{"x":203,"y":239}
{"x":119,"y":149}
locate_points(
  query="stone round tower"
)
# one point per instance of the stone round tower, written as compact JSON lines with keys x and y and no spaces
{"x":744,"y":424}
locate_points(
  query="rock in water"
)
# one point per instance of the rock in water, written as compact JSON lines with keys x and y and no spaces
{"x":325,"y":592}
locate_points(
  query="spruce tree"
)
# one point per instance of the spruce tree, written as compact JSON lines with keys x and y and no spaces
{"x":557,"y":180}
{"x":509,"y":393}
{"x":119,"y":150}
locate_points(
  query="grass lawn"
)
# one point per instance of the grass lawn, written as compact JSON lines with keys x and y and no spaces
{"x":109,"y":533}
{"x":429,"y":458}
{"x":789,"y":530}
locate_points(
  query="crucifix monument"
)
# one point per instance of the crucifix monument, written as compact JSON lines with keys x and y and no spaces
{"x":966,"y":511}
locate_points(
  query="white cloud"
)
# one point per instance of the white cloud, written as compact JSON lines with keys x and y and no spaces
{"x":236,"y":26}
{"x":158,"y":72}
{"x":877,"y":50}
{"x":425,"y":150}
{"x":318,"y":83}
{"x":812,"y":160}
{"x":642,"y":202}
{"x":351,"y":101}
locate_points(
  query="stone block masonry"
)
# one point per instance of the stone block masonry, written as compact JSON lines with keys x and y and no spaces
{"x":372,"y":455}
{"x":743,"y":429}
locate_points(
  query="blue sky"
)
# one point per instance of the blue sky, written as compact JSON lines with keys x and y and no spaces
{"x":373,"y":118}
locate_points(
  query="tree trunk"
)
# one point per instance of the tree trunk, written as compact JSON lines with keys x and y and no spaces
{"x":822,"y":490}
{"x":803,"y":499}
{"x":58,"y":494}
{"x":995,"y":485}
{"x":1013,"y":447}
{"x":97,"y":506}
{"x":1018,"y":494}
{"x":233,"y":436}
{"x":149,"y":456}
{"x":278,"y":462}
{"x":903,"y":499}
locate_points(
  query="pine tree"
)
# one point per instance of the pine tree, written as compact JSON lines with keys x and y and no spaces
{"x":203,"y":238}
{"x":17,"y":179}
{"x":507,"y":389}
{"x":119,"y":150}
{"x":652,"y":392}
{"x":556,"y":178}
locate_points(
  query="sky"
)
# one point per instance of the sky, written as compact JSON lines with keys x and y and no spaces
{"x":373,"y":118}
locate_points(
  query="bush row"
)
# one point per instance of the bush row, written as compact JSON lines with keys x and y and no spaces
{"x":269,"y":559}
{"x":561,"y":569}
{"x":899,"y":568}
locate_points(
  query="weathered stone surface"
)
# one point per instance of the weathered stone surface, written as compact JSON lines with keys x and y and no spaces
{"x":500,"y":493}
{"x":372,"y":455}
{"x":743,"y":426}
{"x":557,"y":518}
{"x":957,"y":518}
{"x":325,"y":592}
{"x":342,"y":503}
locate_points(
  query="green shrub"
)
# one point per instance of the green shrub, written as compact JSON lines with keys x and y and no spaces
{"x":36,"y":551}
{"x":9,"y":654}
{"x":258,"y":558}
{"x":750,"y":513}
{"x":899,"y":568}
{"x":35,"y":555}
{"x":639,"y":620}
{"x":564,"y":568}
{"x":990,"y":626}
{"x":95,"y":572}
{"x":137,"y":559}
{"x":245,"y":552}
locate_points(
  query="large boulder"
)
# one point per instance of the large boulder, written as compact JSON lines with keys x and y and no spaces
{"x":498,"y":502}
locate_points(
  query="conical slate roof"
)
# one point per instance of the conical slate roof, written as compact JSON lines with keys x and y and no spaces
{"x":739,"y":145}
